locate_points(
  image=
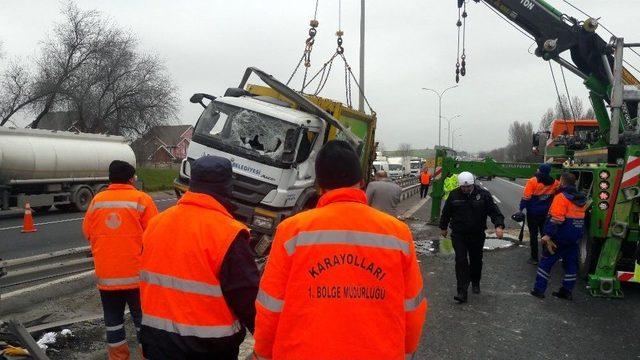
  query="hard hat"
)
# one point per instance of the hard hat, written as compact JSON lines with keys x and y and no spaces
{"x":465,"y":178}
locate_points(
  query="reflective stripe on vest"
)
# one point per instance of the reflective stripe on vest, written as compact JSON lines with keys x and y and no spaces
{"x":269,"y":302}
{"x":189,"y":286}
{"x":412,"y":304}
{"x":201,"y":331}
{"x":118,"y":205}
{"x":344,"y":237}
{"x":119,"y":281}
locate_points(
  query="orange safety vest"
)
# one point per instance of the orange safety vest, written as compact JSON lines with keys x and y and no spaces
{"x":425,"y":178}
{"x":183,"y":251}
{"x":537,"y":197}
{"x":340,"y":286}
{"x":113,"y":224}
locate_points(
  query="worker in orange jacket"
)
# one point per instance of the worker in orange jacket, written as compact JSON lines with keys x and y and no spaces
{"x":425,"y":181}
{"x":536,"y":199}
{"x":199,"y":278}
{"x":113,"y":224}
{"x":339,"y":286}
{"x":562,"y":233}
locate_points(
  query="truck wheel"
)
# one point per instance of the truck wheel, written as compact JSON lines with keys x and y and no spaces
{"x":82,"y":198}
{"x":589,"y":254}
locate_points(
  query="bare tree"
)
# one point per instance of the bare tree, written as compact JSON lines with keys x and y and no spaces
{"x":546,"y":119}
{"x":90,"y":66}
{"x":404,"y":150}
{"x":590,"y":114}
{"x":14,"y":91}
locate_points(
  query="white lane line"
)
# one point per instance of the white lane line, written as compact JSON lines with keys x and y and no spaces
{"x":415,"y":208}
{"x":496,"y":199}
{"x":510,"y":182}
{"x":64,"y":220}
{"x":42,"y":223}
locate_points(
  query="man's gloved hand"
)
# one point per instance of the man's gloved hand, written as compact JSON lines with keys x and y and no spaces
{"x":551,"y":246}
{"x":443,"y":232}
{"x":499,"y":232}
{"x":518,"y":217}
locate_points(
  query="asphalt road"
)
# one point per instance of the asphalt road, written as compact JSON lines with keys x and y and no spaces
{"x":507,"y":195}
{"x":57,"y":230}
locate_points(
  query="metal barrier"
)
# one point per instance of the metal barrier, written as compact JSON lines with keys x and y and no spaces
{"x":45,"y":266}
{"x":410,"y":186}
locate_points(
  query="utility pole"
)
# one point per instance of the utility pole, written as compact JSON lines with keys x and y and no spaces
{"x":449,"y":141}
{"x":440,"y":95}
{"x":361,"y":93}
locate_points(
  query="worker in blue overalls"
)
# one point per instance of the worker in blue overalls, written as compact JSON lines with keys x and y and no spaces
{"x":562,"y":233}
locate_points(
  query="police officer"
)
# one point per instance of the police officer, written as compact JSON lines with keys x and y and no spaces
{"x":113,"y":224}
{"x":536,"y":199}
{"x":466,"y":211}
{"x":342,"y":280}
{"x":562,"y":233}
{"x":198,"y":277}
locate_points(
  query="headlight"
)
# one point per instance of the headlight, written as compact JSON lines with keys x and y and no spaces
{"x":604,"y":174}
{"x":603,"y":205}
{"x":604,"y":185}
{"x":262,"y":221}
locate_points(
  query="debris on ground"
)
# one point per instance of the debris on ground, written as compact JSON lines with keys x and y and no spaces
{"x":46,"y":340}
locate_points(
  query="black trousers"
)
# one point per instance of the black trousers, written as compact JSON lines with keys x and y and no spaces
{"x":535,"y":223}
{"x":468,"y":249}
{"x":424,"y":189}
{"x":113,"y":304}
{"x":163,"y":345}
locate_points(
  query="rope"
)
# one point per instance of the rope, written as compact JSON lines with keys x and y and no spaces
{"x":564,"y":115}
{"x":568,"y":95}
{"x":355,"y":80}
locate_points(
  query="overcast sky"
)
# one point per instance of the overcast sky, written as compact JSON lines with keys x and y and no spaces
{"x":410,"y":44}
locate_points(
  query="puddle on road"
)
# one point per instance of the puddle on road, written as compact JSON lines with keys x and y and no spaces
{"x":427,"y":239}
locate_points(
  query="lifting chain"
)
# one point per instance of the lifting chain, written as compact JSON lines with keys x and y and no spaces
{"x":461,"y":60}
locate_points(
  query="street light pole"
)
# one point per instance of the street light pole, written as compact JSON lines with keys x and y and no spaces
{"x":453,"y":133}
{"x":449,"y":128}
{"x":440,"y":95}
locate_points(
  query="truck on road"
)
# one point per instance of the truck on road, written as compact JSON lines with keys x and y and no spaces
{"x":62,"y":169}
{"x":272,"y":135}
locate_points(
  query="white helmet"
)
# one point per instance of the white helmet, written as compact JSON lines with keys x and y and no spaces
{"x":465,"y":178}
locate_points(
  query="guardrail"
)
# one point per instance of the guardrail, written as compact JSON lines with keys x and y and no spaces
{"x":45,"y":266}
{"x":410,"y":186}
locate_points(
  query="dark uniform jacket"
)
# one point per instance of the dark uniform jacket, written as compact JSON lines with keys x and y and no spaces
{"x":467,"y":213}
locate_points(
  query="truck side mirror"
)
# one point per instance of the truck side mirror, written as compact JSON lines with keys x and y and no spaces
{"x":290,"y":143}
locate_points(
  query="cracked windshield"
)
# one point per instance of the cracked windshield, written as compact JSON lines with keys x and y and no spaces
{"x":256,"y":133}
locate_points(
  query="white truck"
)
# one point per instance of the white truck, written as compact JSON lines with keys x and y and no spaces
{"x":272,"y":136}
{"x":62,"y":169}
{"x":399,"y":167}
{"x":416,"y":165}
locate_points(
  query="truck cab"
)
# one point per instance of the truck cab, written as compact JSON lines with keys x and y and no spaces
{"x":271,"y":135}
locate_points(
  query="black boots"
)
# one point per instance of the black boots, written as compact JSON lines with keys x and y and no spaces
{"x":539,"y":295}
{"x":475,"y":288}
{"x":563,"y":294}
{"x":461,"y":298}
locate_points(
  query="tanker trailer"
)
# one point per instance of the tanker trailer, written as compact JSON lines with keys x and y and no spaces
{"x":53,"y":168}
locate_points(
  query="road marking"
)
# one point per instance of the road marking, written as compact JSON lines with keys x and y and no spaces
{"x":65,"y":220}
{"x":42,"y":223}
{"x":510,"y":182}
{"x":496,"y":199}
{"x":415,"y":208}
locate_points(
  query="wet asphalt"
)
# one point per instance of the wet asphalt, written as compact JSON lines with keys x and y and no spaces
{"x":506,"y":322}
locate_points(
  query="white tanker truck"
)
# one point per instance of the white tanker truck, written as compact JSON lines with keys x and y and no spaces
{"x":62,"y":169}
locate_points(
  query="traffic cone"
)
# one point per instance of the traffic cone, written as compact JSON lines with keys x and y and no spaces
{"x":27,"y":224}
